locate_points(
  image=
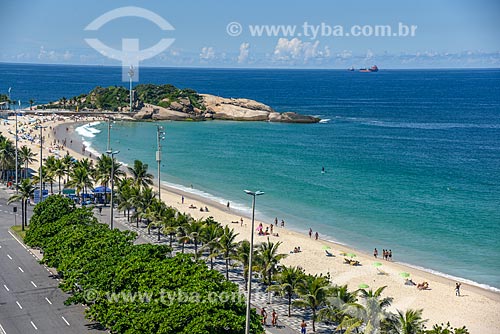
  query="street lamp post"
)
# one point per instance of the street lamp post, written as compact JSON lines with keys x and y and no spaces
{"x":254,"y":194}
{"x":131,"y":73}
{"x":108,"y":147}
{"x":112,"y":153}
{"x":160,"y":135}
{"x":40,"y":174}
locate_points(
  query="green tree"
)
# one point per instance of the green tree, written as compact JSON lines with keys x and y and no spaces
{"x":25,"y":192}
{"x":210,"y":238}
{"x":140,"y":174}
{"x":408,"y":322}
{"x":80,"y":179}
{"x":268,"y":258}
{"x":228,"y":246}
{"x":7,"y":154}
{"x":26,"y":157}
{"x":442,"y":329}
{"x":288,"y":280}
{"x":372,"y":309}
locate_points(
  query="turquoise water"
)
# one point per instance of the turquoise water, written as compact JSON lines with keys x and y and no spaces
{"x":412,"y":158}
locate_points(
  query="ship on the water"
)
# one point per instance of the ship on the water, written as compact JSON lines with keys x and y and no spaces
{"x":374,"y":68}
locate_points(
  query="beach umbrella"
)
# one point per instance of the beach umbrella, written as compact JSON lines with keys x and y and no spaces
{"x":351,"y":255}
{"x":377,"y":264}
{"x":363,"y":286}
{"x":404,"y":274}
{"x":326,"y":247}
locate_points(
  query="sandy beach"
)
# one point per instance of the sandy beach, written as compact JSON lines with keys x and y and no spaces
{"x":477,"y":308}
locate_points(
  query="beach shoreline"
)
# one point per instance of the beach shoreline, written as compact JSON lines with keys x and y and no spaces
{"x":477,"y":309}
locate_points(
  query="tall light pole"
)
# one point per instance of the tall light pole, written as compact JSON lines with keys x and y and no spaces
{"x":108,"y":147}
{"x":250,"y":260}
{"x":40,"y":174}
{"x":17,"y":162}
{"x":8,"y":102}
{"x":131,"y":73}
{"x":112,"y":153}
{"x":160,"y":135}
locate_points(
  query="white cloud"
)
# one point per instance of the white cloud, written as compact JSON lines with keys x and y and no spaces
{"x":295,"y":49}
{"x":345,"y":54}
{"x":244,"y":52}
{"x":207,"y":53}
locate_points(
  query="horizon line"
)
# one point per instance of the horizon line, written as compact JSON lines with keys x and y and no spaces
{"x":249,"y":68}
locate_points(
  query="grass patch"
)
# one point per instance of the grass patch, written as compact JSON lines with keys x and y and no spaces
{"x":17,"y":230}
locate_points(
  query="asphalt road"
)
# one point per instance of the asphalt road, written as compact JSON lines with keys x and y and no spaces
{"x":30,"y":300}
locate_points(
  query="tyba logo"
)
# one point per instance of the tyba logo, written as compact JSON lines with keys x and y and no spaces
{"x":130,"y":55}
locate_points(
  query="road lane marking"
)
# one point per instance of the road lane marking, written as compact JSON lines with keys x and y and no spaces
{"x":19,"y":305}
{"x":32,"y":324}
{"x":2,"y":331}
{"x":6,"y":288}
{"x":17,"y":239}
{"x":34,"y":284}
{"x":48,"y":301}
{"x":10,"y":257}
{"x":66,"y":321}
{"x":21,"y":269}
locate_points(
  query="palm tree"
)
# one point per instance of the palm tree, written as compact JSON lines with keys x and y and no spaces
{"x":409,"y":322}
{"x":26,"y":157}
{"x":372,"y":313}
{"x":63,"y":101}
{"x":268,"y":259}
{"x":68,"y":162}
{"x":156,"y":213}
{"x":7,"y":155}
{"x":341,"y":299}
{"x":313,"y":292}
{"x":124,"y":197}
{"x":142,"y":200}
{"x":228,"y":246}
{"x":59,"y":170}
{"x":48,"y":171}
{"x":288,"y":280}
{"x":140,"y":174}
{"x":25,"y":191}
{"x":102,"y":171}
{"x":79,"y":178}
{"x":243,"y":256}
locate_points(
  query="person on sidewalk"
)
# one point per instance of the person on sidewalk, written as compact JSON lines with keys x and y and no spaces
{"x":303,"y":326}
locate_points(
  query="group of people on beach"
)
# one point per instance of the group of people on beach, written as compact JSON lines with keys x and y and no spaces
{"x":386,"y":254}
{"x":268,"y":231}
{"x":316,"y":235}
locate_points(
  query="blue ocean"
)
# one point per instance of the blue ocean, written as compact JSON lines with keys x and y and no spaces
{"x":411,"y":157}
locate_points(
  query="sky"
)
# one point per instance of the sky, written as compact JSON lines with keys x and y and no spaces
{"x":261,"y":34}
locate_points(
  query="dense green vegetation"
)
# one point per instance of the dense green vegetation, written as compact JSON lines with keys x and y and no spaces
{"x":117,"y":98}
{"x":133,"y":288}
{"x":4,"y":98}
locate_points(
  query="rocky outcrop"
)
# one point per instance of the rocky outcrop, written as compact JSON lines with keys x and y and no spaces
{"x":216,"y":107}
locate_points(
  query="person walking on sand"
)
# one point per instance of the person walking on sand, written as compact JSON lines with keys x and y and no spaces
{"x":241,"y":221}
{"x":457,"y":289}
{"x":274,"y":318}
{"x":228,"y":205}
{"x":375,"y":253}
{"x":182,"y":199}
{"x":310,"y":232}
{"x":276,"y":221}
{"x":303,"y":326}
{"x":316,"y":235}
{"x":282,"y":223}
{"x":389,"y":254}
